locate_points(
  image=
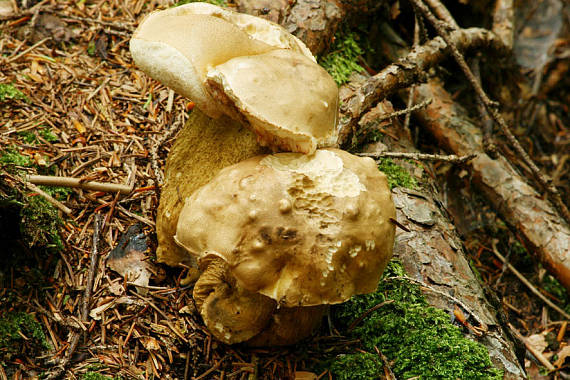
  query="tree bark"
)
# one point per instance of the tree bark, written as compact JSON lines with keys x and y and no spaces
{"x":432,"y":253}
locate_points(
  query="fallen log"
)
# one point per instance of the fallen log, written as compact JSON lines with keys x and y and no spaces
{"x":432,"y":254}
{"x":519,"y":204}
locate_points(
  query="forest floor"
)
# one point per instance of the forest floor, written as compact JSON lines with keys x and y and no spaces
{"x":72,"y":104}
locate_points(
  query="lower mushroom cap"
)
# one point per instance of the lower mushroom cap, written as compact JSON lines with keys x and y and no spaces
{"x":302,"y":230}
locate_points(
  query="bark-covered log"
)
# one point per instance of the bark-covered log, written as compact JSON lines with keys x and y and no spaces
{"x":315,"y":22}
{"x":432,"y":253}
{"x":518,"y":203}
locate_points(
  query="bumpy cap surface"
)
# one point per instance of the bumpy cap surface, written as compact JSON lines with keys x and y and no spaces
{"x":177,"y":46}
{"x":288,"y":100}
{"x":300,"y":229}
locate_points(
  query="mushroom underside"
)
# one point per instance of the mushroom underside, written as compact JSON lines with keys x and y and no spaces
{"x":235,"y":315}
{"x":202,"y":148}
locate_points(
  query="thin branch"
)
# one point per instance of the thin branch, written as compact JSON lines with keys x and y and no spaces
{"x":491,"y":107}
{"x":407,"y":71}
{"x":76,"y":335}
{"x":15,"y":58}
{"x":76,"y":182}
{"x":442,"y":12}
{"x":94,"y":259}
{"x":421,"y":156}
{"x":528,"y":283}
{"x":394,"y":114}
{"x":537,"y":354}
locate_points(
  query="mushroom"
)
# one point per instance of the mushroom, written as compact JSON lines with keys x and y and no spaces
{"x":178,"y":46}
{"x":196,"y":49}
{"x":289,"y":101}
{"x":290,"y":230}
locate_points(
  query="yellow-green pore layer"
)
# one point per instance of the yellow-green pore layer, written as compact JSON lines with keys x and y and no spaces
{"x":419,"y":340}
{"x":202,"y":148}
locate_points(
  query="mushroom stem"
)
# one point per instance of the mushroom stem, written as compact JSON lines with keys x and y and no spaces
{"x":203,"y":147}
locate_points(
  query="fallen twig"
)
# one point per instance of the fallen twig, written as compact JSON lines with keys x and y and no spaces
{"x":16,"y":57}
{"x":84,"y":314}
{"x":527,"y":282}
{"x":407,"y":71}
{"x":537,"y":354}
{"x":49,"y":198}
{"x":407,"y":111}
{"x":66,"y":210}
{"x":491,"y":107}
{"x":76,"y":182}
{"x":421,"y":156}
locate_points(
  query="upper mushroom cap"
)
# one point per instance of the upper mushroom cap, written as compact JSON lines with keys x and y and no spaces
{"x":288,"y":100}
{"x":177,"y":46}
{"x":301,"y":229}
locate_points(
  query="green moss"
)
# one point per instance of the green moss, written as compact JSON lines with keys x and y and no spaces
{"x":14,"y":327}
{"x":91,"y":49}
{"x":48,"y":135}
{"x":362,"y":366}
{"x":419,"y":340}
{"x":11,"y":157}
{"x":30,"y":138}
{"x":41,"y":224}
{"x":342,"y":60}
{"x":96,"y":376}
{"x":221,"y":3}
{"x":9,"y":92}
{"x":397,"y":175}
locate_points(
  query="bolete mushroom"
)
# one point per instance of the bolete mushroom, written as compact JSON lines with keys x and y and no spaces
{"x":198,"y":49}
{"x":276,"y":234}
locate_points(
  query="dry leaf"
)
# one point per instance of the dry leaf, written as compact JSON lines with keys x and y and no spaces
{"x":562,"y":355}
{"x":129,"y":258}
{"x":538,"y":342}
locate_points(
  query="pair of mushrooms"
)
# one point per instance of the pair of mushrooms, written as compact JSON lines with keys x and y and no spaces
{"x":276,"y":237}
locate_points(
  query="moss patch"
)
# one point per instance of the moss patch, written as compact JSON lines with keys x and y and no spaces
{"x":9,"y":92}
{"x":14,"y":327}
{"x":397,"y":175}
{"x":342,"y":60}
{"x":419,"y":340}
{"x":10,"y":157}
{"x":39,"y":220}
{"x":220,"y":3}
{"x":96,"y":376}
{"x":361,"y":366}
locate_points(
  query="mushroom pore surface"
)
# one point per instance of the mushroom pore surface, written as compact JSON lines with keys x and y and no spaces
{"x":302,"y":230}
{"x":202,"y":148}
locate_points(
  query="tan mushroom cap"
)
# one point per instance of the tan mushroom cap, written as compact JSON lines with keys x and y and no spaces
{"x":301,"y":229}
{"x":288,"y":100}
{"x":177,"y":46}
